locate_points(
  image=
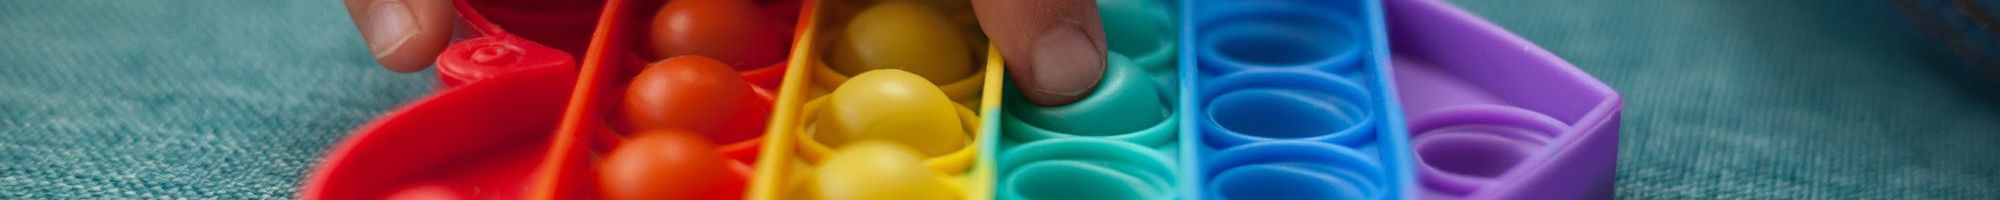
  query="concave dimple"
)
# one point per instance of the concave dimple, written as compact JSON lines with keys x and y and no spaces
{"x":1291,"y":181}
{"x":1292,"y":170}
{"x":498,"y":54}
{"x":1462,"y":148}
{"x":1071,"y":179}
{"x":1281,"y":40}
{"x":1273,"y":113}
{"x":1083,"y":168}
{"x":1474,"y":150}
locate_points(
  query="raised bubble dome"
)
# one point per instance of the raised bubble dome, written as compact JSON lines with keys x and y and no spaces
{"x":875,"y":169}
{"x":916,"y":74}
{"x":668,"y":165}
{"x":1126,"y":100}
{"x":693,"y":93}
{"x":734,"y":32}
{"x":902,"y":35}
{"x":891,"y":105}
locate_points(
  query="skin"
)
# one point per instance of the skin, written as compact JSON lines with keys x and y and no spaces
{"x":1054,"y":48}
{"x":404,"y":35}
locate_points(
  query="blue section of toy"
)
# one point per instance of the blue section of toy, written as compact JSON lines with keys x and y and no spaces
{"x":1290,"y":99}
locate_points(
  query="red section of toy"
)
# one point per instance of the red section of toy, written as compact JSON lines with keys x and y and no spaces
{"x":563,"y":96}
{"x":489,"y":56}
{"x":454,"y":143}
{"x":492,"y":51}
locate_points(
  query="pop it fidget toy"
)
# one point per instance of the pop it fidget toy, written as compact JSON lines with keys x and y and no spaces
{"x":897,"y":99}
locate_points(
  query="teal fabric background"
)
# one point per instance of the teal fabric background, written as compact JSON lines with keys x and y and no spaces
{"x":1725,"y":99}
{"x":168,"y":99}
{"x":1774,"y":99}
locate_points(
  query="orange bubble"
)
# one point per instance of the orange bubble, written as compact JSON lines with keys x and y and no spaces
{"x":691,"y":93}
{"x":732,"y":31}
{"x":668,"y":165}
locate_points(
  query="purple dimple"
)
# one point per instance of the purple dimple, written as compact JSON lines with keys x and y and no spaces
{"x":1475,"y":150}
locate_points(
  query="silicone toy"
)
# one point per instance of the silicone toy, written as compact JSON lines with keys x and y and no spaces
{"x":1290,"y":99}
{"x":1040,"y":162}
{"x":823,"y":111}
{"x":485,"y":57}
{"x":890,"y":105}
{"x":668,"y":165}
{"x":481,"y":136}
{"x":963,"y":89}
{"x":684,"y":88}
{"x":1293,"y":170}
{"x":1141,"y":30}
{"x":1084,"y":168}
{"x":732,"y":31}
{"x":1126,"y":100}
{"x":1286,"y":106}
{"x":477,"y":140}
{"x":691,"y":93}
{"x":1117,"y":143}
{"x":1101,"y":147}
{"x":902,"y":35}
{"x":492,"y":52}
{"x":1494,"y":117}
{"x":875,"y":169}
{"x":1279,"y":99}
{"x":537,"y":132}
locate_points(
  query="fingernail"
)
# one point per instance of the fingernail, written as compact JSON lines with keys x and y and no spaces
{"x":390,"y":24}
{"x":1067,"y":63}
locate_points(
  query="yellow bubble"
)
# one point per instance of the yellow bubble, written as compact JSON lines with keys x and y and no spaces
{"x":891,"y":105}
{"x":902,"y":35}
{"x":878,"y":170}
{"x":942,"y":5}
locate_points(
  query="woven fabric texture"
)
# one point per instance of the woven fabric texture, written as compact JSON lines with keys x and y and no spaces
{"x":165,"y":99}
{"x":1774,"y":99}
{"x":1725,"y":99}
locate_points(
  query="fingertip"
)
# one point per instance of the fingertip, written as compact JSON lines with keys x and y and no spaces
{"x":1067,"y":65}
{"x":403,"y":35}
{"x":1055,"y":49}
{"x":406,"y":62}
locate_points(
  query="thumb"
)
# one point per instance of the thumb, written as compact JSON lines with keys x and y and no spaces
{"x":403,"y":35}
{"x":1054,"y":48}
